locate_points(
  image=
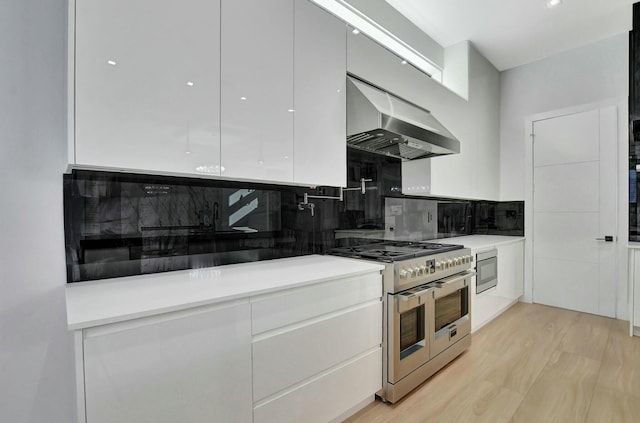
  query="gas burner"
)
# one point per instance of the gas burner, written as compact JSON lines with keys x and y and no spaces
{"x":390,"y":251}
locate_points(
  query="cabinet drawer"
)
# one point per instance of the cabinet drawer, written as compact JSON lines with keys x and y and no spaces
{"x":292,"y":306}
{"x":285,"y":359}
{"x":327,"y":396}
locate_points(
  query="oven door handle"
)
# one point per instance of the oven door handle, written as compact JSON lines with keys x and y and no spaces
{"x":450,"y":285}
{"x":413,"y":300}
{"x":405,"y":297}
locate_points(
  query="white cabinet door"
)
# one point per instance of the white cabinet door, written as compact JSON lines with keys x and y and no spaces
{"x":506,"y":271}
{"x":147,"y":85}
{"x":191,"y":366}
{"x":257,"y":89}
{"x":510,"y":271}
{"x":320,"y":104}
{"x":636,"y":288}
{"x":519,"y":269}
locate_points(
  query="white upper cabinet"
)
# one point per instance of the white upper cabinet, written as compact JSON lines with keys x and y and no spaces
{"x":320,"y":104}
{"x":147,"y":85}
{"x":206,"y":87}
{"x":257,"y":89}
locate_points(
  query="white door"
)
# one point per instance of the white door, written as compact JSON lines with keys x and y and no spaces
{"x":574,"y":205}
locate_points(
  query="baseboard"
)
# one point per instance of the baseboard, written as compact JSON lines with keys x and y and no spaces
{"x":636,"y":331}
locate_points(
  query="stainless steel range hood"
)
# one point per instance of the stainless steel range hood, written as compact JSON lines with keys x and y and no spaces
{"x":382,"y":123}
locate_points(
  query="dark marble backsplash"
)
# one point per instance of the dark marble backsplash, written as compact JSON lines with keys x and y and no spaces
{"x":127,"y":224}
{"x":457,"y":218}
{"x":119,"y":224}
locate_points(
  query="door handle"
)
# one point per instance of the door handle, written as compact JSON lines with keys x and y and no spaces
{"x":607,"y":238}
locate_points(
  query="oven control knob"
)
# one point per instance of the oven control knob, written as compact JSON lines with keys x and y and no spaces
{"x":403,"y":274}
{"x":424,"y":270}
{"x":449,"y":263}
{"x":415,"y":272}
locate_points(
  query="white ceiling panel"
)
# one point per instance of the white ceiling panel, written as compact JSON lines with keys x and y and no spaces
{"x":511,"y":33}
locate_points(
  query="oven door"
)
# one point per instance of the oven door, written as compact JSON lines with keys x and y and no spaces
{"x":451,"y":312}
{"x":408,"y":337}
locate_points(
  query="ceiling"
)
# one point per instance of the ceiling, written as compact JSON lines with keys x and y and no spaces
{"x":511,"y":33}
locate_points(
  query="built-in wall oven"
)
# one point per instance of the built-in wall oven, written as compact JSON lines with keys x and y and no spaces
{"x":427,"y":309}
{"x":487,"y":270}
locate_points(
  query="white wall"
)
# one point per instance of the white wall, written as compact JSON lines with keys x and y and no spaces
{"x":455,"y":74}
{"x":591,"y":74}
{"x":36,"y":367}
{"x":588,"y":74}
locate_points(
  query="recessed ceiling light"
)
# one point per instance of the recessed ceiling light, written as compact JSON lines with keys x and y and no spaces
{"x":355,"y":31}
{"x":243,"y":98}
{"x":290,"y":110}
{"x":553,"y":3}
{"x":404,"y":62}
{"x":111,"y":62}
{"x":189,"y":83}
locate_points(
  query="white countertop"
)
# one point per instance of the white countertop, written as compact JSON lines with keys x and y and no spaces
{"x":480,"y":242}
{"x":118,"y":299}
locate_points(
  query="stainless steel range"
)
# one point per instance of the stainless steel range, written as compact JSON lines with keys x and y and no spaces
{"x":427,"y":307}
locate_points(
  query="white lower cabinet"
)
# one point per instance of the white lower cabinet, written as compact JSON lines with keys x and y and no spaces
{"x":510,"y":270}
{"x":189,"y":366}
{"x":320,"y":352}
{"x":493,"y":302}
{"x":284,"y":359}
{"x":636,"y":297}
{"x":308,"y":354}
{"x":634,"y":291}
{"x":328,"y":395}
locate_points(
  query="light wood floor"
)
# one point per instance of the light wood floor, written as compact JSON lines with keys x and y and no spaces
{"x":532,"y":364}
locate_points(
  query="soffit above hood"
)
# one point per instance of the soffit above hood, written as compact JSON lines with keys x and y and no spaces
{"x":382,"y":123}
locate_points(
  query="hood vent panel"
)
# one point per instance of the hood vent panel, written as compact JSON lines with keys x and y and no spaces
{"x":388,"y":144}
{"x":381,"y":123}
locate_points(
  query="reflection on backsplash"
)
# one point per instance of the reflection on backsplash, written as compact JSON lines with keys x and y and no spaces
{"x":410,"y":219}
{"x":493,"y":218}
{"x":455,"y":218}
{"x":367,"y":212}
{"x":119,"y":224}
{"x":123,"y":224}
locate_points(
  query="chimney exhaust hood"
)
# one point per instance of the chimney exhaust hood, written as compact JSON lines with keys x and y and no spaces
{"x":382,"y":123}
